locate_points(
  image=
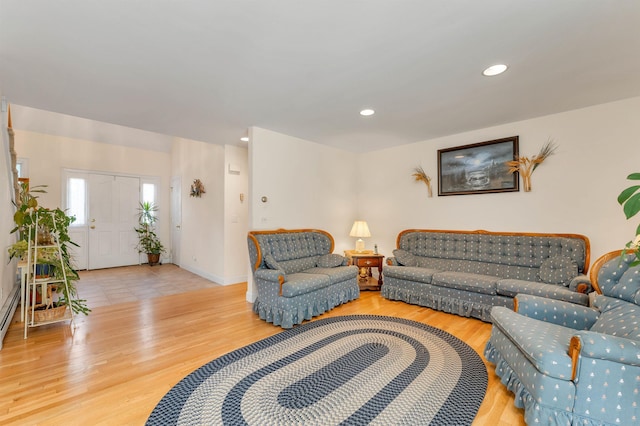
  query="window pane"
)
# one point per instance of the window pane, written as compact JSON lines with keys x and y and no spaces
{"x":77,"y":200}
{"x":148,"y":193}
{"x":22,"y":166}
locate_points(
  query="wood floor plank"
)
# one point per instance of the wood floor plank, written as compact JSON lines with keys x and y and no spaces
{"x":118,"y":362}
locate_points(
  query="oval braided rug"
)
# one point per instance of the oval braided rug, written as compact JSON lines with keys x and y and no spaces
{"x":352,"y":370}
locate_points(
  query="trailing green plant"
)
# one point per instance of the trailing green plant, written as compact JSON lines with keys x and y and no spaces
{"x":49,"y":221}
{"x":148,"y":241}
{"x":18,"y":249}
{"x":69,"y":293}
{"x":629,"y":199}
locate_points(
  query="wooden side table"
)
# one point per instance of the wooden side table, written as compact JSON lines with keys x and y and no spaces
{"x":365,"y":261}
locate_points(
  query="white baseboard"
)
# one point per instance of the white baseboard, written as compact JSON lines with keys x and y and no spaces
{"x":215,"y":278}
{"x":235,"y":280}
{"x":7,"y":311}
{"x":211,"y":277}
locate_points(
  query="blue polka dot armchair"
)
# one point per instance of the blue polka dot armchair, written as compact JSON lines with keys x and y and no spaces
{"x":574,"y":365}
{"x":297,"y":276}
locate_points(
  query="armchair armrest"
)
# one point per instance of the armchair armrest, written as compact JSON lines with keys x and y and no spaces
{"x":581,"y":284}
{"x":391,"y":261}
{"x":605,"y":346}
{"x":602,"y":346}
{"x":556,"y":311}
{"x":269,"y":274}
{"x":274,"y":275}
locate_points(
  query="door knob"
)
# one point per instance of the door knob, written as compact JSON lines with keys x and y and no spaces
{"x":178,"y":226}
{"x":93,"y":227}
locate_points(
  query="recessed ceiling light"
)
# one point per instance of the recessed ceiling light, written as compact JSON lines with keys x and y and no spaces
{"x":367,"y":112}
{"x":244,"y":139}
{"x":494,"y":70}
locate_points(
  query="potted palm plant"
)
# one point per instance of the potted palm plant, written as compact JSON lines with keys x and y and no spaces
{"x":148,"y":241}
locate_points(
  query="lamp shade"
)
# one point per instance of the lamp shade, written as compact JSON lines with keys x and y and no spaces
{"x":360,"y":229}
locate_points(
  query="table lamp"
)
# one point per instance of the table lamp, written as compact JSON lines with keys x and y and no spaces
{"x":360,"y":230}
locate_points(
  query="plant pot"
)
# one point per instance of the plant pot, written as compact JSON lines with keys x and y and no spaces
{"x":153,"y":258}
{"x":43,"y":236}
{"x":38,"y":299}
{"x":43,"y":270}
{"x":50,"y":314}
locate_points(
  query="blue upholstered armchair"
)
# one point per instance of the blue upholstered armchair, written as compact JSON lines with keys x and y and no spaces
{"x":574,"y":365}
{"x":297,"y":276}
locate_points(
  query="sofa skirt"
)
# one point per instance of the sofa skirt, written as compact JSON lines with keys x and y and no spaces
{"x":453,"y":301}
{"x":528,"y":384}
{"x":289,"y":311}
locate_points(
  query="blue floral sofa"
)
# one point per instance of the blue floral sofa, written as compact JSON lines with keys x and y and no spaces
{"x":469,"y":272}
{"x":574,"y":365}
{"x":297,"y":275}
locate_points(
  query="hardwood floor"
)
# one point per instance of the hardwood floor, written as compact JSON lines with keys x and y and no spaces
{"x":122,"y":358}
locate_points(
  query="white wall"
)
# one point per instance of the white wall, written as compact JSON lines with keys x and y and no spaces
{"x":307,"y":185}
{"x":236,"y":214}
{"x":202,"y":232}
{"x":573,"y":191}
{"x":7,"y":270}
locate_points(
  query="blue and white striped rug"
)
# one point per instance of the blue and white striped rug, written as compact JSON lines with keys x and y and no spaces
{"x":350,"y":370}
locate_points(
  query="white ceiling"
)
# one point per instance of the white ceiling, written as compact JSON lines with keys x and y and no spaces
{"x":209,"y":69}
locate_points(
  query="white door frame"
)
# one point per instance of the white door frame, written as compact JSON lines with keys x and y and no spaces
{"x":176,"y":218}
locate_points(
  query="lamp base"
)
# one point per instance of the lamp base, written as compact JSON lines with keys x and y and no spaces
{"x":359,"y":245}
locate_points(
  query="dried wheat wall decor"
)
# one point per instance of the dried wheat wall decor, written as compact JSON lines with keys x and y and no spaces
{"x":420,"y":176}
{"x":526,"y":166}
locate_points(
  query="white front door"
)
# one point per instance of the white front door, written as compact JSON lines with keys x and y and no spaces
{"x":112,"y":217}
{"x":176,"y":218}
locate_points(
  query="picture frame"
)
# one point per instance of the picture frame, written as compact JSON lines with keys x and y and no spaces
{"x":478,"y":168}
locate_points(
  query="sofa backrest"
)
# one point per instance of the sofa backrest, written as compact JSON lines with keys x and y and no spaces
{"x":294,"y":249}
{"x":618,"y":300}
{"x":503,"y":254}
{"x":612,"y":275}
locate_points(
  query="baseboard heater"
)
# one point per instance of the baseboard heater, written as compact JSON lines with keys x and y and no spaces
{"x":6,"y":314}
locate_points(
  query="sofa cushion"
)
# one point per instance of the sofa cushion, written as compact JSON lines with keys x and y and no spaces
{"x":330,"y":260}
{"x":628,"y":287}
{"x":558,"y":270}
{"x":511,"y":288}
{"x":298,"y":265}
{"x":544,"y":344}
{"x":405,"y":258}
{"x":485,"y":284}
{"x":410,"y":273}
{"x":335,"y":274}
{"x":303,"y":283}
{"x":617,"y":318}
{"x":272,"y":263}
